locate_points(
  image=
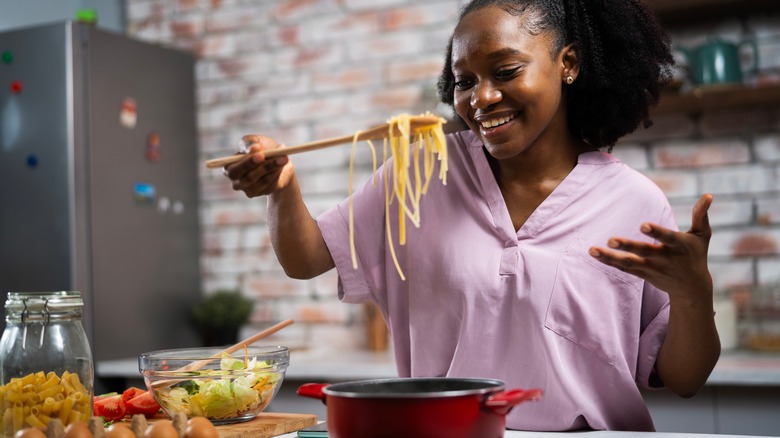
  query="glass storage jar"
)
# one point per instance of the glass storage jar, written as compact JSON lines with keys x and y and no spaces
{"x":764,"y":318}
{"x":46,"y":368}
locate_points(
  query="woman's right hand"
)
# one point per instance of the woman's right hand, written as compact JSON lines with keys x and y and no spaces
{"x":256,"y":176}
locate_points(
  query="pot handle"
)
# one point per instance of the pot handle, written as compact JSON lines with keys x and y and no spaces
{"x":313,"y":390}
{"x":502,"y":402}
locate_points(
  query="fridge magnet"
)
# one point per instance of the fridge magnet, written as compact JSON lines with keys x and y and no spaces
{"x":128,"y":115}
{"x":144,"y":193}
{"x":16,"y":87}
{"x":163,"y":205}
{"x":153,"y":147}
{"x":32,"y":161}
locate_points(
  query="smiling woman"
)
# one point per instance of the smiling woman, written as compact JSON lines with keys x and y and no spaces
{"x":549,"y":263}
{"x":602,"y":104}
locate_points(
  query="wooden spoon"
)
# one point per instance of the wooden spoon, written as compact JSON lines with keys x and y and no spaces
{"x":375,"y":133}
{"x":233,"y":348}
{"x":194,"y":366}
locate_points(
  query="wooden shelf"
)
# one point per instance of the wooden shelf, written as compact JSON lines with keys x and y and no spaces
{"x":718,"y":98}
{"x":687,"y":12}
{"x":674,"y":12}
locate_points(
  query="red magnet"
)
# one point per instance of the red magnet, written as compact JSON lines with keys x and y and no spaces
{"x":153,"y":147}
{"x":128,"y":115}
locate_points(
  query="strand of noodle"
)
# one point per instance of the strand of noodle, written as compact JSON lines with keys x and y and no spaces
{"x":417,"y":180}
{"x":402,"y":122}
{"x":353,"y":252}
{"x":352,"y":213}
{"x":373,"y":156}
{"x":429,"y":163}
{"x":412,"y":188}
{"x":388,"y":231}
{"x":384,"y":153}
{"x":441,"y":147}
{"x":396,"y":147}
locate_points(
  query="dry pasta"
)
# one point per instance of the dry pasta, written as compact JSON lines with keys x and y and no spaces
{"x":409,"y":181}
{"x":34,"y":399}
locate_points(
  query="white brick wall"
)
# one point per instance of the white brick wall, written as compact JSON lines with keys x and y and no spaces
{"x":299,"y":70}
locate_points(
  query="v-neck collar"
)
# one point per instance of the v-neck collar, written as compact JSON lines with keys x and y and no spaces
{"x":563,"y":195}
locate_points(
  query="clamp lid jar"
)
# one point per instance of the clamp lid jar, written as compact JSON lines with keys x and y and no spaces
{"x":46,"y":368}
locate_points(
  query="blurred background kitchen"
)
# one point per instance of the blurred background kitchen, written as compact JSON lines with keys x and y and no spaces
{"x":300,"y":70}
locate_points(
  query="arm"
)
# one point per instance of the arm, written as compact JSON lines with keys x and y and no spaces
{"x":678,"y":266}
{"x":295,"y":236}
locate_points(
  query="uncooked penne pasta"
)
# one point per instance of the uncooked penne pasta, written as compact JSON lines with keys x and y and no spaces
{"x":32,"y":400}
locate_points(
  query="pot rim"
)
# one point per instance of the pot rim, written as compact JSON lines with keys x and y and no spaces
{"x":491,"y":386}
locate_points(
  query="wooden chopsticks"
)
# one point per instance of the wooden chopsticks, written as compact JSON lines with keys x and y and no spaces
{"x":375,"y":133}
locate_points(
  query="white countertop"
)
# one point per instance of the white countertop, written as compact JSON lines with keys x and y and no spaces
{"x":597,"y":434}
{"x":735,"y":367}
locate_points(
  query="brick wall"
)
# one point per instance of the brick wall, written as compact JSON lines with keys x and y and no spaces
{"x":300,"y":70}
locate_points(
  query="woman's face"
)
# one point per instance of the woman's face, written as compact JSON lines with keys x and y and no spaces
{"x":507,"y":82}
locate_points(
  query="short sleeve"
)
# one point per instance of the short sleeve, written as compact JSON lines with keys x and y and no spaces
{"x":358,"y":285}
{"x":655,"y":320}
{"x":650,"y":341}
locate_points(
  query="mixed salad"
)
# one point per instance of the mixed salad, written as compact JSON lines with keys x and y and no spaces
{"x":238,"y":387}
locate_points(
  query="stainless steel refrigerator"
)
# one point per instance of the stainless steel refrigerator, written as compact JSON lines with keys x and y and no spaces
{"x":98,"y":181}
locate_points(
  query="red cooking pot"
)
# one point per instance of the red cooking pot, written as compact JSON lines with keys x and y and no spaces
{"x":417,"y":407}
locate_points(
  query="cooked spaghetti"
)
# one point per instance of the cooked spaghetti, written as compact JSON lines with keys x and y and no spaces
{"x":410,"y":180}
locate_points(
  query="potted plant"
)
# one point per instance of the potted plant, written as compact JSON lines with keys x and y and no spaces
{"x":220,"y":315}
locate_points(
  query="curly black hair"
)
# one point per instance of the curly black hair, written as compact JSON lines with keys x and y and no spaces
{"x":624,"y":54}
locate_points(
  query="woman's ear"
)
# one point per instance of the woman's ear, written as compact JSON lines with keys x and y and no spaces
{"x":570,"y":64}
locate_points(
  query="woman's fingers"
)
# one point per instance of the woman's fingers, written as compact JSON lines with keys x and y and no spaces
{"x":263,"y":142}
{"x":700,"y":222}
{"x":619,"y":258}
{"x":661,"y":234}
{"x":253,"y":174}
{"x":675,"y":263}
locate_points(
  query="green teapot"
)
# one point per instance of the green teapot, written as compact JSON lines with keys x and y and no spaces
{"x":718,"y":61}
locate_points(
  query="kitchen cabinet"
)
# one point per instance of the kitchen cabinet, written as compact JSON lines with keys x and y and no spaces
{"x":742,"y":396}
{"x":721,"y":409}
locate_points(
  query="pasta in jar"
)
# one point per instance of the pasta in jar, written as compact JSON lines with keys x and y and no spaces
{"x":45,"y":361}
{"x":33,"y":400}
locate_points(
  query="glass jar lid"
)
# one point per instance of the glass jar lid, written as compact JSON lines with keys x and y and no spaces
{"x":43,"y":306}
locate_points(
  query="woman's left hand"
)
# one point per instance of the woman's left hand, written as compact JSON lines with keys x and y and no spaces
{"x":677,"y":264}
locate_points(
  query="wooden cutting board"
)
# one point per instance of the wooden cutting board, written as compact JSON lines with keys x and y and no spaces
{"x":266,"y":425}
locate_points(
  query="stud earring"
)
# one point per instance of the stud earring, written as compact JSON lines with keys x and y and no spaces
{"x":569,"y":80}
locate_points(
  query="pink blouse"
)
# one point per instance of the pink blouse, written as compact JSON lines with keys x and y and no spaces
{"x":528,"y":307}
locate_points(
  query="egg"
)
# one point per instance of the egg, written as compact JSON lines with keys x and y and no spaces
{"x":79,"y":429}
{"x":200,"y":427}
{"x":161,"y":429}
{"x":30,"y":432}
{"x":119,"y":430}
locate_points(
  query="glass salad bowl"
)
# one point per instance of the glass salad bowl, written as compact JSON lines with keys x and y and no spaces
{"x":204,"y":382}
